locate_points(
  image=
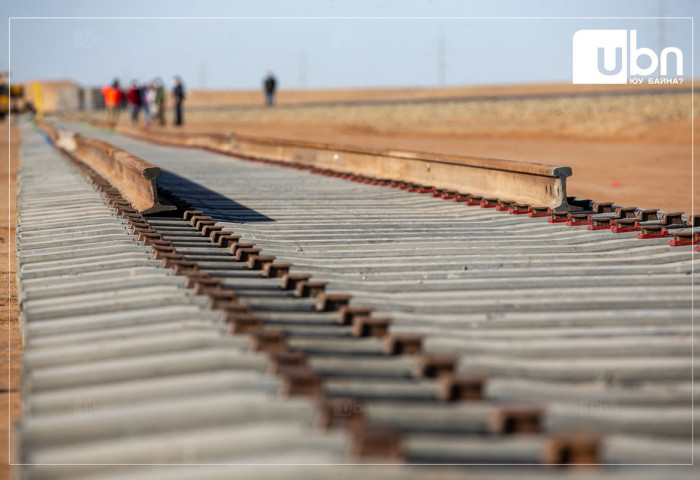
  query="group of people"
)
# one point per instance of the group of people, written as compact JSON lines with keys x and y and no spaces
{"x":147,"y":97}
{"x":150,"y":98}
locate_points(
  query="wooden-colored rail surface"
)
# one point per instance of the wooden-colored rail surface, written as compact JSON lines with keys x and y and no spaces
{"x":523,"y":182}
{"x":134,"y":177}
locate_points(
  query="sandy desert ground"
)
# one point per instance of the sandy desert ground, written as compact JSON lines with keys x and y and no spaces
{"x":637,"y":138}
{"x":640,"y":139}
{"x":49,"y":90}
{"x":9,"y":324}
{"x":209,"y":98}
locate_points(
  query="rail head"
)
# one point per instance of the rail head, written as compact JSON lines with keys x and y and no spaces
{"x":133,"y":176}
{"x":524,"y":182}
{"x":148,"y":170}
{"x":457,"y":160}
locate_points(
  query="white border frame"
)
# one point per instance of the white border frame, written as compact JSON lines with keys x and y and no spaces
{"x":13,"y":240}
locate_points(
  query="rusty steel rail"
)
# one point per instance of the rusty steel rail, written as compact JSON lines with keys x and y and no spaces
{"x":522,"y":182}
{"x":134,"y":177}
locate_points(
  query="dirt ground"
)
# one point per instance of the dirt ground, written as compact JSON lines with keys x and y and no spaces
{"x":632,"y":147}
{"x":625,"y":144}
{"x":9,"y":326}
{"x":208,"y":98}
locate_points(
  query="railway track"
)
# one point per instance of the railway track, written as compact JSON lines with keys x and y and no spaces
{"x":283,"y":317}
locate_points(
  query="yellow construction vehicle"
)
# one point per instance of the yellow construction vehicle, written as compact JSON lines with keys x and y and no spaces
{"x":4,"y":98}
{"x":11,"y":98}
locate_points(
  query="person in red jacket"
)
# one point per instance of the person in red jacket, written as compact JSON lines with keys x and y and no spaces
{"x":113,"y":97}
{"x":133,"y":98}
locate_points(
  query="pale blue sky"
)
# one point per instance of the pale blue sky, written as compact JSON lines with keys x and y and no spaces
{"x":321,"y":53}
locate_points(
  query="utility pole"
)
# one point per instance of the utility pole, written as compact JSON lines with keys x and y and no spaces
{"x":660,"y":29}
{"x":202,"y":76}
{"x":441,"y":59}
{"x":302,"y":70}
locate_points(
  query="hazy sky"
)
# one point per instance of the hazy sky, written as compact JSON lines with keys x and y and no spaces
{"x":322,"y":52}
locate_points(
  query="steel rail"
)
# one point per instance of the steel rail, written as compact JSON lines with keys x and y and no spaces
{"x":134,"y":177}
{"x":522,"y":182}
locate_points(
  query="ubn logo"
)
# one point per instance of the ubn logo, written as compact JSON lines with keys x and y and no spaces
{"x":601,"y":56}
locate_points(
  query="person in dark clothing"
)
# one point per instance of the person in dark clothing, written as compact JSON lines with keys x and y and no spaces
{"x":270,"y":85}
{"x":160,"y":102}
{"x":178,"y":98}
{"x":145,"y":103}
{"x":133,"y":97}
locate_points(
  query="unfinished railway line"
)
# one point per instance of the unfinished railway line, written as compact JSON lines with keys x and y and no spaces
{"x":252,"y":301}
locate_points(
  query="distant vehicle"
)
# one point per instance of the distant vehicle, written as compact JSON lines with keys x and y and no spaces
{"x":11,"y":98}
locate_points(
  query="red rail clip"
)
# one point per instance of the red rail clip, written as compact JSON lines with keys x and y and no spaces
{"x":519,"y":209}
{"x":644,"y":236}
{"x":489,"y":202}
{"x":559,"y":217}
{"x":616,"y":229}
{"x":539,"y":212}
{"x":681,"y":240}
{"x":599,"y":223}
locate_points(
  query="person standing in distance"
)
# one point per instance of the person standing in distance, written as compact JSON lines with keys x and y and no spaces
{"x":160,"y":102}
{"x":113,"y":97}
{"x":133,"y":97}
{"x":270,"y":85}
{"x":178,"y":98}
